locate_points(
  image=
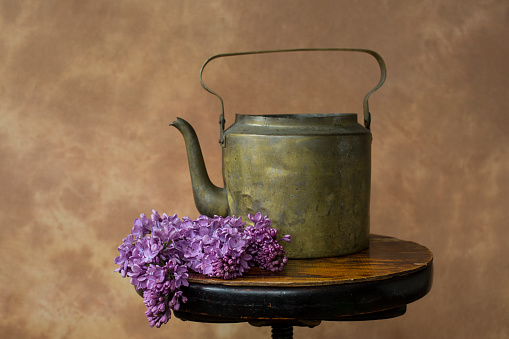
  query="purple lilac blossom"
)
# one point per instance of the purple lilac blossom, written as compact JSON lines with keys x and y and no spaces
{"x":266,"y":251}
{"x":159,"y":251}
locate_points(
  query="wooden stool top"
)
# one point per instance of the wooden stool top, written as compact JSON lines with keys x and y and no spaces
{"x":376,"y":283}
{"x":386,"y":257}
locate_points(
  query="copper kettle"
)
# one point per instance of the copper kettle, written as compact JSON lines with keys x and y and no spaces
{"x":309,"y":173}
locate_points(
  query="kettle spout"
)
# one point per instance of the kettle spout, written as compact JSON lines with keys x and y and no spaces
{"x":209,"y":199}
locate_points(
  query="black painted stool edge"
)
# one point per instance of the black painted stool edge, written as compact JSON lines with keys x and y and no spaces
{"x":370,"y":300}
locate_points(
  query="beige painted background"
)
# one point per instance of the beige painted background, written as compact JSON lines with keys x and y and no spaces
{"x":88,"y":88}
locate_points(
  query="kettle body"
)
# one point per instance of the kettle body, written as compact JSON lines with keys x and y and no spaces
{"x":309,"y":173}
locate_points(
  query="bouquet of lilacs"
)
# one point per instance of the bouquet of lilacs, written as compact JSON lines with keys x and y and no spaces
{"x":160,"y":250}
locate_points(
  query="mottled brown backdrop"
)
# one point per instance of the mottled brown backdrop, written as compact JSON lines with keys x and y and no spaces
{"x":88,"y":88}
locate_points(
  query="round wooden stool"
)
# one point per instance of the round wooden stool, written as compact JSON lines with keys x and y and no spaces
{"x":377,"y":283}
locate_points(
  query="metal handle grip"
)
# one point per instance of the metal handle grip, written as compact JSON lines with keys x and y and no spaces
{"x":367,"y":114}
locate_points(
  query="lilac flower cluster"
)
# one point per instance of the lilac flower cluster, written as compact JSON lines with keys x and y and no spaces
{"x":159,"y":251}
{"x":267,"y":253}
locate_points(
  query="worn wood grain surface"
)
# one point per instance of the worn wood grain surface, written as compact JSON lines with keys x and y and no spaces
{"x":386,"y":257}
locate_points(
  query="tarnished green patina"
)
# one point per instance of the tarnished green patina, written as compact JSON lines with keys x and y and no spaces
{"x":309,"y":173}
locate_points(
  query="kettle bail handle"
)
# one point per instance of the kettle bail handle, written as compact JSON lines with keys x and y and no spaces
{"x":365,"y":104}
